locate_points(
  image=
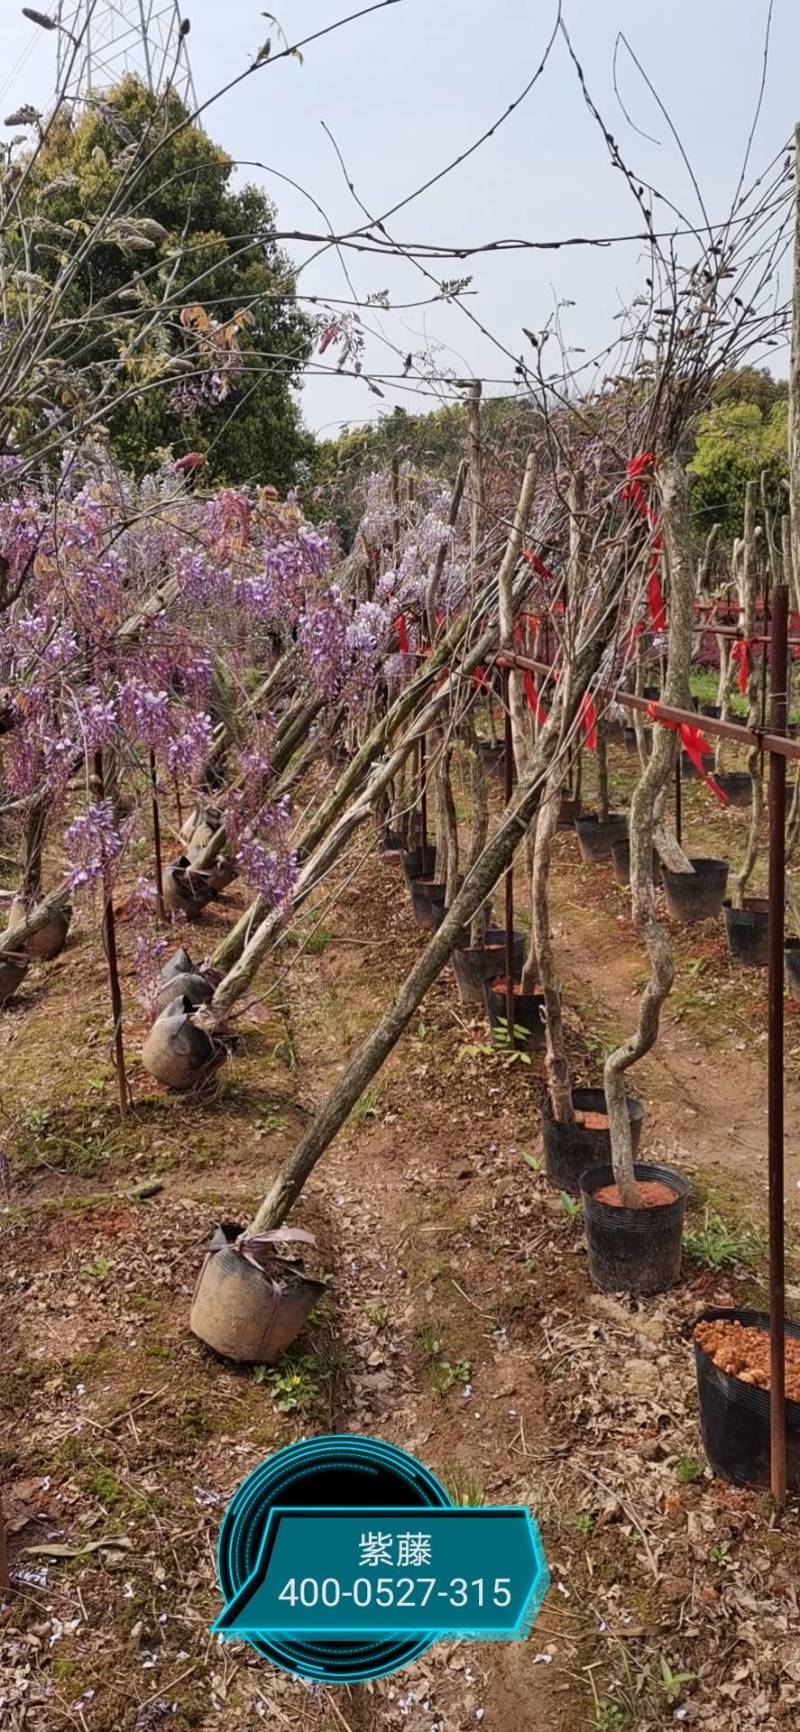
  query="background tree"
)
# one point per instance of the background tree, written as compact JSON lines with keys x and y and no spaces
{"x":737,"y":441}
{"x":188,"y":237}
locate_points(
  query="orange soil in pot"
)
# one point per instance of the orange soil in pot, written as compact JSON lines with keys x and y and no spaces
{"x":592,"y":1121}
{"x":530,"y":992}
{"x":652,"y":1194}
{"x":744,"y":1353}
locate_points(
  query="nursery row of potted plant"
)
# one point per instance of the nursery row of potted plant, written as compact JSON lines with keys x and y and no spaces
{"x":731,"y":1346}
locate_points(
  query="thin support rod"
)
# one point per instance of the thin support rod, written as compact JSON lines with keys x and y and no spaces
{"x":160,"y":913}
{"x":775,"y":1126}
{"x":679,"y":799}
{"x":423,"y":792}
{"x":5,"y":1576}
{"x":110,"y":947}
{"x":508,"y":790}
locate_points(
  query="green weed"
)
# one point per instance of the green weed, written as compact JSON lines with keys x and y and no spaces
{"x":716,"y":1246}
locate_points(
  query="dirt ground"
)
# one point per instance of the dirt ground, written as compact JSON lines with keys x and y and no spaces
{"x":459,"y":1322}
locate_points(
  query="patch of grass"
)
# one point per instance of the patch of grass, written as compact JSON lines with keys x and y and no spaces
{"x":378,"y":1314}
{"x":717,"y":1246}
{"x":688,"y":1469}
{"x":430,"y":1338}
{"x":99,"y":1269}
{"x":104,"y":1485}
{"x":270,"y":1125}
{"x":463,"y":1485}
{"x":293,"y":1386}
{"x":570,"y":1205}
{"x":445,"y":1374}
{"x":367,"y":1106}
{"x":314,"y":944}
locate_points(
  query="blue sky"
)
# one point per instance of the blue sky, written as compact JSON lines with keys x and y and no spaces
{"x":407,"y":89}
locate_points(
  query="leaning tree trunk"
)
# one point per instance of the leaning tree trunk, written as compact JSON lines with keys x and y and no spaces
{"x":259,"y":931}
{"x":559,"y":1082}
{"x":365,"y":1064}
{"x":674,"y":490}
{"x":754,"y":758}
{"x":33,"y":847}
{"x":352,"y":777}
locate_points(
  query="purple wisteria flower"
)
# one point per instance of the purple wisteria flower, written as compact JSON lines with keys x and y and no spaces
{"x":92,"y":843}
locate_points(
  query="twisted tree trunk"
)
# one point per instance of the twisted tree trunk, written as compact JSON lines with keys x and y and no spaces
{"x":674,"y":490}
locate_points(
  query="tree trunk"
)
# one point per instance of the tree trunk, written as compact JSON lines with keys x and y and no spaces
{"x":749,"y":586}
{"x":505,"y":600}
{"x":674,"y":489}
{"x":365,"y":1064}
{"x":559,"y":1082}
{"x":602,"y":772}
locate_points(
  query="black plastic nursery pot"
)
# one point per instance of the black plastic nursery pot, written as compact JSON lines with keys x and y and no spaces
{"x":13,"y":969}
{"x":631,"y":742}
{"x":177,"y":1052}
{"x":473,"y":966}
{"x":699,"y":894}
{"x":568,"y":811}
{"x":427,"y":901}
{"x":791,"y":966}
{"x":734,"y":1416}
{"x":634,"y":1250}
{"x":49,"y":941}
{"x":747,"y":931}
{"x":185,"y":891}
{"x":528,"y":1014}
{"x":392,"y":841}
{"x":621,"y":861}
{"x":689,"y":770}
{"x":242,"y":1314}
{"x":418,"y":863}
{"x":570,"y":1148}
{"x":596,"y":836}
{"x":711,"y":710}
{"x":737,"y":785}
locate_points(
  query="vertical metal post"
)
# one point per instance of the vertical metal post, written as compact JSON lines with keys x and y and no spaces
{"x":679,"y":796}
{"x":157,"y":839}
{"x":778,"y":650}
{"x":423,"y":794}
{"x":5,"y":1577}
{"x":110,"y":947}
{"x":508,"y":790}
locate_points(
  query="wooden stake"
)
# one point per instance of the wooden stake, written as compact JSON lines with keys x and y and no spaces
{"x":157,"y":839}
{"x":110,"y":948}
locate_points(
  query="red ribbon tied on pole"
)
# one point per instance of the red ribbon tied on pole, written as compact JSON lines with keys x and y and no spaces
{"x":538,"y":564}
{"x":587,"y":716}
{"x":634,"y":491}
{"x":534,"y":700}
{"x":742,"y":652}
{"x":695,"y":745}
{"x":401,"y":631}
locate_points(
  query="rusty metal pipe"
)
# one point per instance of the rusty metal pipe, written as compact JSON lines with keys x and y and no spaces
{"x":775,"y":1126}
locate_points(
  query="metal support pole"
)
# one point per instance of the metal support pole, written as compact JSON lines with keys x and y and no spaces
{"x":157,"y":839}
{"x":508,"y":790}
{"x":423,"y":793}
{"x":110,"y":947}
{"x":775,"y":1128}
{"x":5,"y":1576}
{"x":679,"y":797}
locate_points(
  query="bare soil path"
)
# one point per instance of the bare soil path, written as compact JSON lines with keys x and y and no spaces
{"x":460,"y":1324}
